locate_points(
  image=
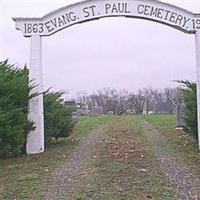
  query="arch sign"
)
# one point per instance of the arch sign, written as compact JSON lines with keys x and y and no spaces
{"x":88,"y":10}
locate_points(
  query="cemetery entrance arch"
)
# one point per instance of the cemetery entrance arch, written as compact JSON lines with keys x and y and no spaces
{"x":88,"y":10}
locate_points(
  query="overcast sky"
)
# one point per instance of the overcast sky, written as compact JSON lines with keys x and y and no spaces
{"x":116,"y":52}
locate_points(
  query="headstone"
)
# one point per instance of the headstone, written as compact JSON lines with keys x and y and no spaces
{"x":70,"y":103}
{"x":110,"y":113}
{"x":180,"y":116}
{"x":76,"y":116}
{"x":83,"y":111}
{"x":97,"y":110}
{"x":162,"y":108}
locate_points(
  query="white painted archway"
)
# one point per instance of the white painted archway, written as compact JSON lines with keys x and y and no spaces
{"x":88,"y":10}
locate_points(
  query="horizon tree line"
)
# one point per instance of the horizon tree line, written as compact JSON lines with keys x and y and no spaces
{"x":144,"y":101}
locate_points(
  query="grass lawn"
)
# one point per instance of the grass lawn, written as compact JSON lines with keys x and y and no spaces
{"x":123,"y":166}
{"x":27,"y":177}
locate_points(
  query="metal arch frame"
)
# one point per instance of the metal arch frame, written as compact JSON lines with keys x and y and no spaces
{"x":35,"y":139}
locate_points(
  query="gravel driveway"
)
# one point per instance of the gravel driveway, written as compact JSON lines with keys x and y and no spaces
{"x":65,"y":177}
{"x":185,"y":184}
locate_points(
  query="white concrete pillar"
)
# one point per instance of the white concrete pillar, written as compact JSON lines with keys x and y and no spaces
{"x":197,"y":38}
{"x":35,"y":139}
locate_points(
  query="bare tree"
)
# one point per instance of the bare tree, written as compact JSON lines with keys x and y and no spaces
{"x":120,"y":102}
{"x":173,"y":97}
{"x":136,"y":102}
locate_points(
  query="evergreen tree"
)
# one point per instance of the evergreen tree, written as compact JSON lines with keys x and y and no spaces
{"x":190,"y":100}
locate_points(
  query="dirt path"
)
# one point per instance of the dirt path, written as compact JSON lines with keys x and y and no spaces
{"x":185,"y":184}
{"x":65,"y":177}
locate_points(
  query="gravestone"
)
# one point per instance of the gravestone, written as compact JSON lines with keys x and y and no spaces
{"x":76,"y":116}
{"x":163,"y":108}
{"x":110,"y":113}
{"x":70,"y":103}
{"x":180,"y":116}
{"x":97,"y":110}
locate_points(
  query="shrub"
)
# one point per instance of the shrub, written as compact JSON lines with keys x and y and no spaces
{"x":14,"y":96}
{"x":14,"y":123}
{"x":190,"y":100}
{"x":58,"y":121}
